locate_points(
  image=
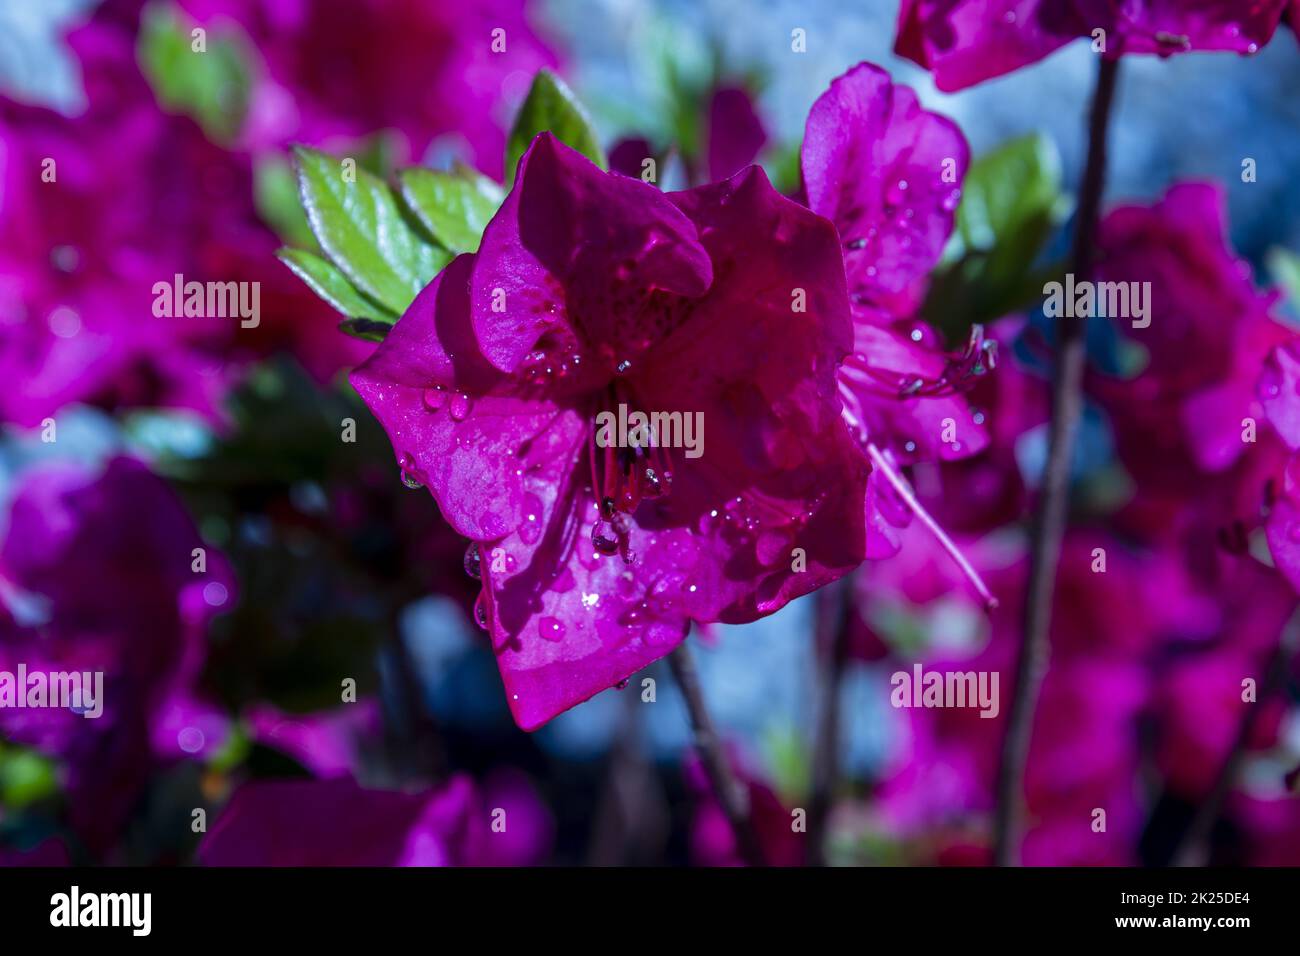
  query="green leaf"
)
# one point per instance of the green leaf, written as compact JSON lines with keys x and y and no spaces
{"x":358,"y":222}
{"x":370,"y":330}
{"x":551,"y":105}
{"x":210,"y":85}
{"x":275,"y":193}
{"x":1011,"y":204}
{"x":1284,"y":265}
{"x":454,"y":207}
{"x":25,"y":777}
{"x":1011,"y":198}
{"x":332,"y":285}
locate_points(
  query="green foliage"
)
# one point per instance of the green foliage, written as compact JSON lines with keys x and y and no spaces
{"x":377,"y":246}
{"x":455,"y":207}
{"x":211,"y":86}
{"x":275,"y":194}
{"x":25,"y":777}
{"x":359,"y":223}
{"x":551,"y":105}
{"x":1011,"y":204}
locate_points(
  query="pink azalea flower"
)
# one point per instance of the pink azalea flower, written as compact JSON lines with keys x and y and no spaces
{"x":964,"y":42}
{"x":427,"y":70}
{"x":340,"y":823}
{"x":593,"y":291}
{"x":98,"y":573}
{"x":1186,"y":416}
{"x":888,"y":174}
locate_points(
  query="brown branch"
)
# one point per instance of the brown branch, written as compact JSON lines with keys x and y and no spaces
{"x":1053,"y":498}
{"x":833,"y":606}
{"x":733,"y":799}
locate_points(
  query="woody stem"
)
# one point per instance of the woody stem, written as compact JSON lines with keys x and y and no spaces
{"x":730,"y":796}
{"x":1053,"y":498}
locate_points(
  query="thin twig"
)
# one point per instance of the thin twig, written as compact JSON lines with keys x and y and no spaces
{"x":1053,"y":498}
{"x":733,"y":799}
{"x":834,"y":604}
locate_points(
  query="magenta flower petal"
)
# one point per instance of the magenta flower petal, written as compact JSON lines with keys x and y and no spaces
{"x":735,"y":133}
{"x":460,"y":426}
{"x":107,"y":563}
{"x":1283,"y":527}
{"x":589,"y":258}
{"x":963,"y":42}
{"x":888,"y":174}
{"x":1165,"y":27}
{"x":940,"y":427}
{"x":1279,"y":392}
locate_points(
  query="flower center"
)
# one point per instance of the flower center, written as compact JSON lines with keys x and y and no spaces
{"x":628,"y":465}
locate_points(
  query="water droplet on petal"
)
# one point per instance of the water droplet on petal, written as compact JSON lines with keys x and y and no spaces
{"x":473,"y":562}
{"x":531,"y":528}
{"x":435,"y":398}
{"x":621,"y":685}
{"x":410,"y":482}
{"x":551,"y":628}
{"x":480,"y":610}
{"x":459,"y":406}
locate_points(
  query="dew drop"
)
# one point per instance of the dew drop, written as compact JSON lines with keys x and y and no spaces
{"x":531,"y":528}
{"x":480,"y":610}
{"x":410,"y":482}
{"x":435,"y":398}
{"x":551,"y":628}
{"x":621,"y":685}
{"x":459,"y":406}
{"x":473,"y":562}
